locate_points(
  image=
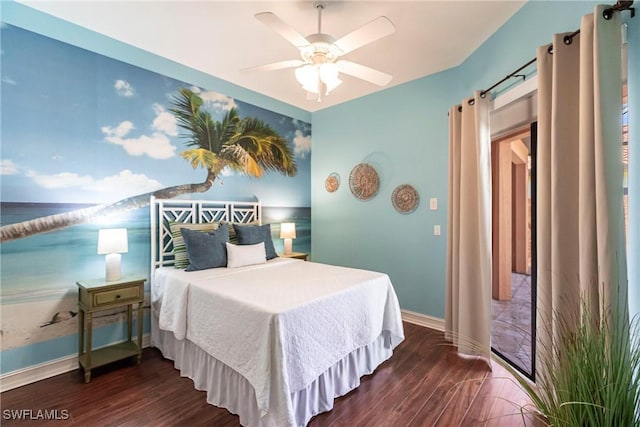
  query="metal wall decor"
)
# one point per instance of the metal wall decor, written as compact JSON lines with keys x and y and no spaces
{"x":364,"y":181}
{"x":405,"y":198}
{"x":332,"y":183}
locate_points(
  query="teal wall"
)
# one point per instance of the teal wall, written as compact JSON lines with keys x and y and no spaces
{"x":516,"y":42}
{"x":403,"y":132}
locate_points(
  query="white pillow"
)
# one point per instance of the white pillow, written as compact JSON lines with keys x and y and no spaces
{"x":241,"y":255}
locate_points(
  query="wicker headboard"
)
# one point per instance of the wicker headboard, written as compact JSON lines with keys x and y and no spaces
{"x":164,"y":211}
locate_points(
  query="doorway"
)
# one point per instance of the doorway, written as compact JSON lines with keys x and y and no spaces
{"x":513,"y":248}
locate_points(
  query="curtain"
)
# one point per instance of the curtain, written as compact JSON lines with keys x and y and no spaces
{"x":580,"y":229}
{"x":468,"y":287}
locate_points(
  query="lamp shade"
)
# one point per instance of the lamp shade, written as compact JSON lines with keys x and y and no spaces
{"x":310,"y":76}
{"x":112,"y":241}
{"x":288,"y":230}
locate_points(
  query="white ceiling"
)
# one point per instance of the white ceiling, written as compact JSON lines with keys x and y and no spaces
{"x":221,"y":38}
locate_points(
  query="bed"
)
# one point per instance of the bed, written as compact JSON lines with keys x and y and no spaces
{"x":274,"y":342}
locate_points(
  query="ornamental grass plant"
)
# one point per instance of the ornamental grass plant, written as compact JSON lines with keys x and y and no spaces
{"x":592,"y":377}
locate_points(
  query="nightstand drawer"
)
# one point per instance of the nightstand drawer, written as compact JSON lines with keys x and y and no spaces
{"x":118,"y":295}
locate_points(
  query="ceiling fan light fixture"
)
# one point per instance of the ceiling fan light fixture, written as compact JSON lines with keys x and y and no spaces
{"x":307,"y":76}
{"x":310,"y":77}
{"x":319,"y":68}
{"x":329,"y":75}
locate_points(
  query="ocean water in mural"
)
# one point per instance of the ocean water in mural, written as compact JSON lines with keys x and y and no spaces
{"x":79,"y":130}
{"x":41,"y":271}
{"x":47,"y":265}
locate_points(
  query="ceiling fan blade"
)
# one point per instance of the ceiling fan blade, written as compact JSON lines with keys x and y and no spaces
{"x":282,"y":28}
{"x":290,"y":63}
{"x":374,"y":30}
{"x":365,"y":73}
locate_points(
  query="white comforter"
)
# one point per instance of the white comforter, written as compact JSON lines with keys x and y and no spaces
{"x":280,"y":324}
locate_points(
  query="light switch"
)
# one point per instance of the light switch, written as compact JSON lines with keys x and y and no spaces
{"x":433,"y":204}
{"x":436,"y":230}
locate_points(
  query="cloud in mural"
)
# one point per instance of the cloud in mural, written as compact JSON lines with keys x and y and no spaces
{"x":119,"y":131}
{"x":123,"y":184}
{"x":157,"y":145}
{"x":215,"y":100}
{"x":123,"y":88}
{"x":303,"y":126}
{"x":301,"y":143}
{"x":8,"y":80}
{"x":7,"y":167}
{"x":164,"y":121}
{"x":60,"y":180}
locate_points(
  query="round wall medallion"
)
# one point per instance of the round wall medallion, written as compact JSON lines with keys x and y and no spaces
{"x":405,"y":198}
{"x":332,"y":182}
{"x":364,"y":181}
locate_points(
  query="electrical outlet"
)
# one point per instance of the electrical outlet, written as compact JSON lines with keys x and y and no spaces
{"x":436,"y":230}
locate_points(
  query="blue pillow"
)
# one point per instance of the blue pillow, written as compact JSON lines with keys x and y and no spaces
{"x":253,"y":234}
{"x":206,"y":250}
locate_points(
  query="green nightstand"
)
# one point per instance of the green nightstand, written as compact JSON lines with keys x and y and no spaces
{"x":98,"y":295}
{"x":296,"y":255}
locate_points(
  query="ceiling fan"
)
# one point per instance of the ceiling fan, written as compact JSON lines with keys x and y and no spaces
{"x":319,"y":67}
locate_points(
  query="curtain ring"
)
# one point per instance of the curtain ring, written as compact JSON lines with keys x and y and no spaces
{"x":550,"y":49}
{"x":567,"y":40}
{"x":483,"y":94}
{"x":472,"y":101}
{"x":459,"y":108}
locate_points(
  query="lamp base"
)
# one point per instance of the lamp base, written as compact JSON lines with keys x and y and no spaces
{"x":112,"y":267}
{"x":288,"y":244}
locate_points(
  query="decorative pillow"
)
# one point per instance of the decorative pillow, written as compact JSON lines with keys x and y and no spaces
{"x":233,"y":237}
{"x":181,"y":260}
{"x":252,"y":234}
{"x":206,"y":250}
{"x":241,"y":255}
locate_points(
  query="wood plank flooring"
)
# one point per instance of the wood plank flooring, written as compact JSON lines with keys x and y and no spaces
{"x":423,"y":384}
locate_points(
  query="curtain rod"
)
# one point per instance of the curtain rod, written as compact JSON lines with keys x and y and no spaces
{"x":568,"y":39}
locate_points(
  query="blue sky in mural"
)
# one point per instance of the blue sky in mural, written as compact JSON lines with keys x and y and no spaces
{"x":98,"y":130}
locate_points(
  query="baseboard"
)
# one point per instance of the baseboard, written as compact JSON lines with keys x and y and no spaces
{"x":423,"y":320}
{"x":29,"y":375}
{"x":42,"y":371}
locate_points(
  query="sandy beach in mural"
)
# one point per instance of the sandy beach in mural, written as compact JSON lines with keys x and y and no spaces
{"x":27,"y":323}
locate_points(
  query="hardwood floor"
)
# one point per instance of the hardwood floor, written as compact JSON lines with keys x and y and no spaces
{"x":423,"y":384}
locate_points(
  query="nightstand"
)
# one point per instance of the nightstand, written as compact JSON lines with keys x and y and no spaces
{"x":98,"y":295}
{"x":296,"y":255}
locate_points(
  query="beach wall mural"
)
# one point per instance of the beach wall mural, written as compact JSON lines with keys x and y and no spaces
{"x":86,"y":140}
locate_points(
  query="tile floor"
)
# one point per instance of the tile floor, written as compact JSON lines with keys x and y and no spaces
{"x":511,"y":327}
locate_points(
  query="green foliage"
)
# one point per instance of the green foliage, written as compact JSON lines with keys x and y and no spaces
{"x":247,"y":145}
{"x":592,"y":375}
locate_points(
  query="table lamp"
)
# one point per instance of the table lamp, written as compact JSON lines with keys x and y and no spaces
{"x":288,"y":232}
{"x":112,"y":242}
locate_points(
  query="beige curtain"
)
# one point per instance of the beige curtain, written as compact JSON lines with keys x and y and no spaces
{"x":468,"y":291}
{"x":580,"y":235}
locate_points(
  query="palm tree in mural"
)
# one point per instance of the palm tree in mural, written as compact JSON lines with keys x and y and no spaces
{"x":246,"y":145}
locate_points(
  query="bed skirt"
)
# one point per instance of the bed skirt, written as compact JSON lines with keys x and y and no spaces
{"x":228,"y":389}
